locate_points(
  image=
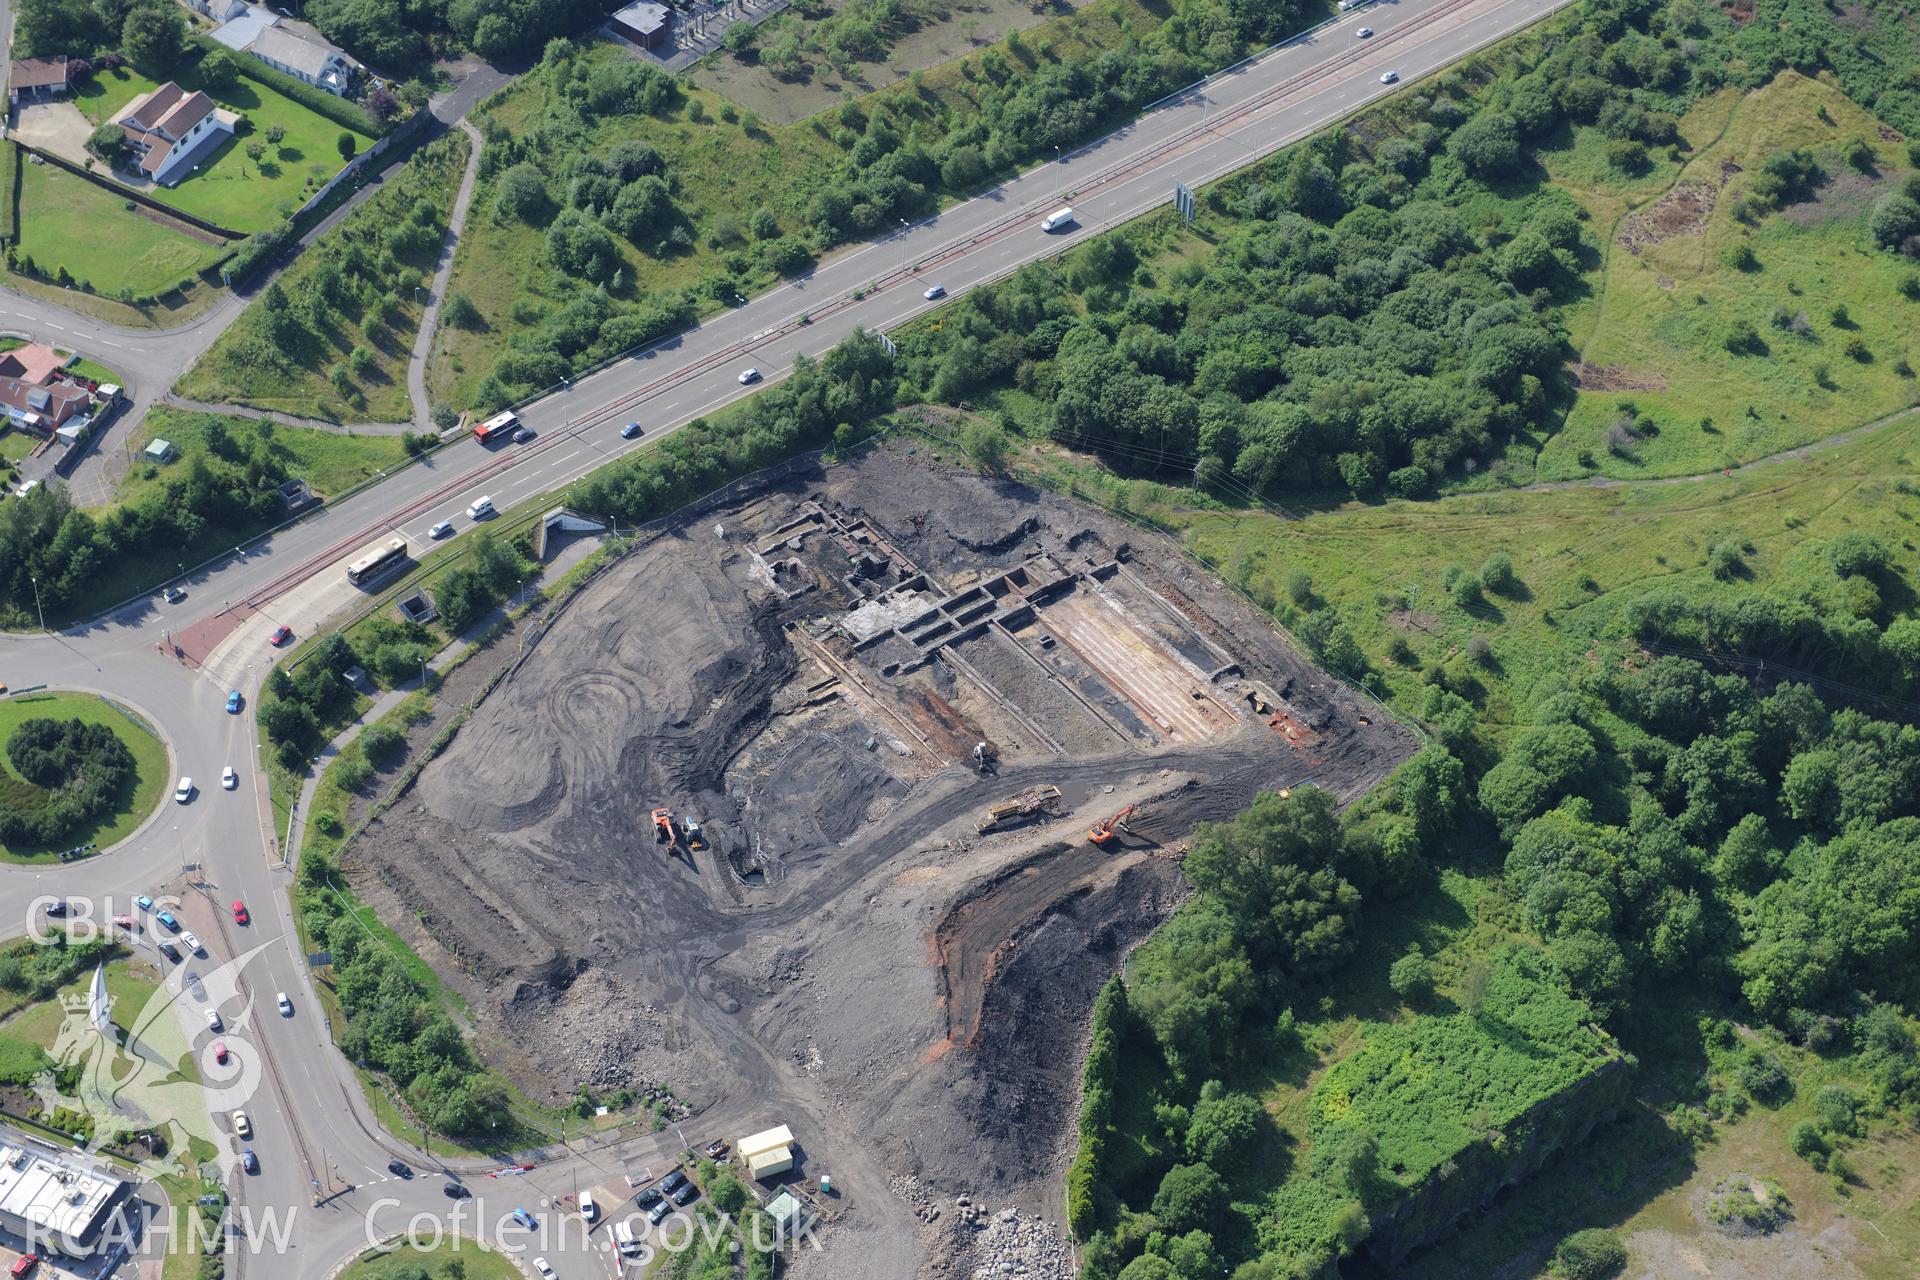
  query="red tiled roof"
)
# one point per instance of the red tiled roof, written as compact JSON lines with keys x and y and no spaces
{"x":62,"y":399}
{"x":33,"y":363}
{"x":145,"y":112}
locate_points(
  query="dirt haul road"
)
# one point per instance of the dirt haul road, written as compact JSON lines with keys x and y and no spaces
{"x":806,"y":669}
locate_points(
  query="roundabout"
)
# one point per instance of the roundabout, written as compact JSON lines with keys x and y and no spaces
{"x":113,"y":738}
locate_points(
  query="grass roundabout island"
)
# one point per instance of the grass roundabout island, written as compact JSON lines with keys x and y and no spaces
{"x":76,"y":770}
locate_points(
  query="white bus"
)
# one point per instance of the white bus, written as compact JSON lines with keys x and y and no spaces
{"x":376,"y":561}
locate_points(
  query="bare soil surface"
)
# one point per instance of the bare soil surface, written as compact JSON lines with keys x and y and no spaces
{"x":804,"y":669}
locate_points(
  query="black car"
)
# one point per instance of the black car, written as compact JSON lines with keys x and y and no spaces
{"x":56,"y":909}
{"x":673,"y":1182}
{"x":400,"y":1168}
{"x":170,"y":951}
{"x":687,"y":1194}
{"x":523,"y":435}
{"x":455,"y":1191}
{"x":650,"y":1196}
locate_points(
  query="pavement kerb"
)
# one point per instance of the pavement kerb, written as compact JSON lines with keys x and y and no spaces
{"x":173,"y":771}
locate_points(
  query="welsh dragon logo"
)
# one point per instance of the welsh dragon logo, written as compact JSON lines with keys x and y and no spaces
{"x":137,"y":1075}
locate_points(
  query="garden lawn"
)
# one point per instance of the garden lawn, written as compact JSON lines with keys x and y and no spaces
{"x":229,"y":189}
{"x":31,"y":1028}
{"x":68,"y":223}
{"x":1661,"y":317}
{"x":150,"y":785}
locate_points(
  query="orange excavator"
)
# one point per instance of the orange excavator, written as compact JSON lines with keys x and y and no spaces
{"x":1101,"y":832}
{"x":664,"y":831}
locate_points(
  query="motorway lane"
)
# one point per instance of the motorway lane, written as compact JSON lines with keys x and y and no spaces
{"x":1198,"y":135}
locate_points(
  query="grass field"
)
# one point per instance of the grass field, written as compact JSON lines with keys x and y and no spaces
{"x":720,"y":168}
{"x":1656,"y":325}
{"x":31,"y":1028}
{"x":231,"y":372}
{"x":230,"y":189}
{"x":480,"y":1264}
{"x":151,"y":782}
{"x":69,"y":223}
{"x":330,"y":461}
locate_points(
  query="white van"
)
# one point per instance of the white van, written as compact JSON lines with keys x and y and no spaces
{"x":624,"y":1240}
{"x":480,"y":509}
{"x":588,"y":1209}
{"x":1057,"y":219}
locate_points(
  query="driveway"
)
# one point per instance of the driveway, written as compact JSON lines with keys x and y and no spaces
{"x":57,"y":127}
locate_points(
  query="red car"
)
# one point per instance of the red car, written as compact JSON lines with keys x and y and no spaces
{"x":24,"y":1265}
{"x":280,"y":636}
{"x":240,"y":915}
{"x":220,"y":1052}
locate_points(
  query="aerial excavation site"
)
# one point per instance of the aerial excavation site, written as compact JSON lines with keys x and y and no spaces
{"x":841,"y":797}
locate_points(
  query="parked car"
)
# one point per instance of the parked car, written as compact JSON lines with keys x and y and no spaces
{"x":687,"y":1194}
{"x":935,"y":291}
{"x":1389,"y":77}
{"x":173,"y":595}
{"x":143,"y":902}
{"x":220,"y":1054}
{"x":240,"y":915}
{"x":167,"y":918}
{"x":749,"y":374}
{"x":286,"y":1005}
{"x":228,"y":778}
{"x":658,"y":1212}
{"x":190,"y":941}
{"x":249,"y":1161}
{"x":542,"y":1270}
{"x":213,"y":1021}
{"x":650,"y":1196}
{"x":629,"y":431}
{"x":717,"y":1148}
{"x":440,"y":530}
{"x":400,"y":1169}
{"x":233,"y":703}
{"x":280,"y":636}
{"x":242,"y":1125}
{"x":183,"y":792}
{"x":170,"y":951}
{"x":673,"y":1182}
{"x":24,"y":1265}
{"x":588,"y":1209}
{"x":126,"y":922}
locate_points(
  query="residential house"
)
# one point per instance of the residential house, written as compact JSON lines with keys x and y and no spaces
{"x":291,"y":48}
{"x":33,"y":363}
{"x":41,"y":409}
{"x":218,"y":10}
{"x":642,"y":22}
{"x":35,"y":78}
{"x":172,"y":130}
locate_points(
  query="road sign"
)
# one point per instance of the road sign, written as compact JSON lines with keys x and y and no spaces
{"x":1183,"y":201}
{"x":887,"y":343}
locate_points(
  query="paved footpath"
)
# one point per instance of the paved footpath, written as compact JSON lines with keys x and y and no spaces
{"x":430,"y":318}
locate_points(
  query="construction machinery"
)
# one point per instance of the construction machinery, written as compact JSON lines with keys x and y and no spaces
{"x":664,"y":830}
{"x":695,"y":840}
{"x":1034,"y":800}
{"x":1101,"y":832}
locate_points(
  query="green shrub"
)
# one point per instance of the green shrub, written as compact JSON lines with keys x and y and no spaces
{"x":1592,"y":1254}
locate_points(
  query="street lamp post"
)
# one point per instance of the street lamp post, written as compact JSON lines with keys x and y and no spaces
{"x":38,"y":606}
{"x":903,"y":244}
{"x":1057,"y":176}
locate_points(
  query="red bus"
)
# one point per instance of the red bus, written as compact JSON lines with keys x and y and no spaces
{"x":500,"y":424}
